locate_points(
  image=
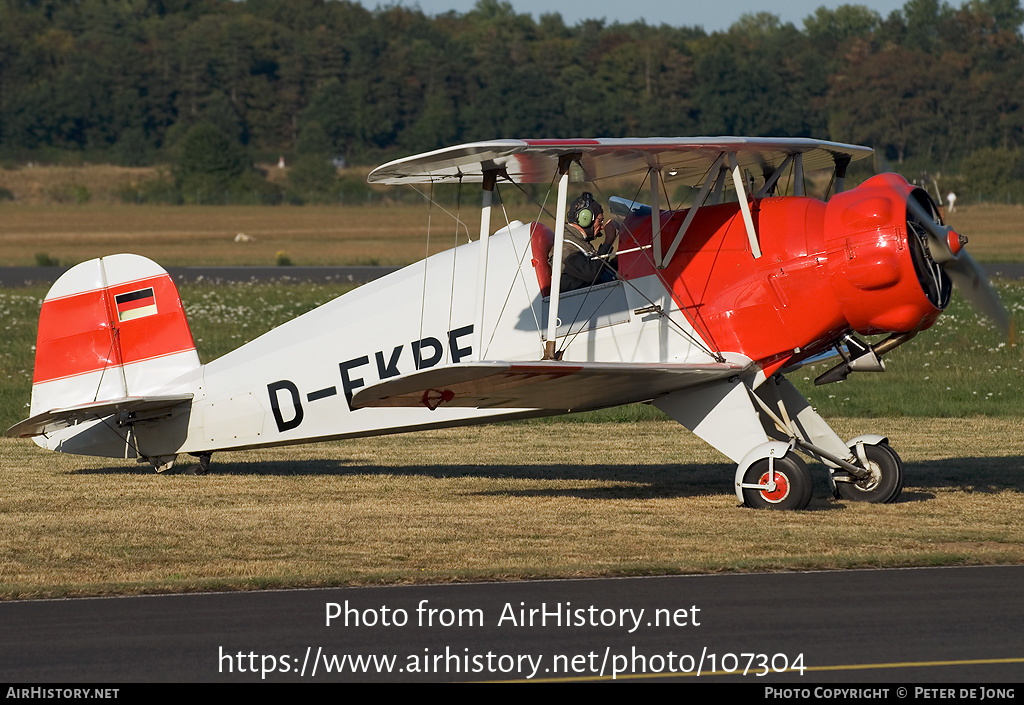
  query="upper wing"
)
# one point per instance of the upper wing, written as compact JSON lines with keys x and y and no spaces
{"x":550,"y":385}
{"x":681,"y":158}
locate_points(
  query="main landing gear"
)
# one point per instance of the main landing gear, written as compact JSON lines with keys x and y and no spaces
{"x":883,"y":482}
{"x":204,"y":464}
{"x":763,"y":426}
{"x":773,"y":476}
{"x":864,"y":469}
{"x":776,"y":483}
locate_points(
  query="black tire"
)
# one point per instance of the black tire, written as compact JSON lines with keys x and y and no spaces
{"x":204,"y":464}
{"x":886,"y":481}
{"x":792,"y":478}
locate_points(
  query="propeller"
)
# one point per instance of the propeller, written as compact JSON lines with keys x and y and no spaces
{"x":941,"y":263}
{"x":943,"y":258}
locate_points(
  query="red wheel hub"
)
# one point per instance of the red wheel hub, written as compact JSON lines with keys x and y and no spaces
{"x":781,"y":487}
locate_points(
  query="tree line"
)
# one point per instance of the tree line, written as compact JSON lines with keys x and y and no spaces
{"x":931,"y":87}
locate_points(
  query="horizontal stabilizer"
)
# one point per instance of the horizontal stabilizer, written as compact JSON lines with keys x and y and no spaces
{"x":550,"y":385}
{"x":56,"y":419}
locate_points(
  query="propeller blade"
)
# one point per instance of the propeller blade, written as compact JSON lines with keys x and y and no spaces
{"x":944,"y":243}
{"x":970,"y":278}
{"x":945,"y":247}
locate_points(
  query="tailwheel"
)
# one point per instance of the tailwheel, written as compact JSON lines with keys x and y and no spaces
{"x":884,"y":483}
{"x":204,"y":464}
{"x":792,"y":487}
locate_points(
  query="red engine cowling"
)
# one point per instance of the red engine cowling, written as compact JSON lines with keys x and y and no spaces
{"x":826,"y":269}
{"x":879,"y":270}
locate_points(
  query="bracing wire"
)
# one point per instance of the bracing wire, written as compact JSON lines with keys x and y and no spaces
{"x":520,"y":259}
{"x":542,"y":211}
{"x":126,"y":438}
{"x":682,"y":308}
{"x":110,"y":354}
{"x":430,"y":198}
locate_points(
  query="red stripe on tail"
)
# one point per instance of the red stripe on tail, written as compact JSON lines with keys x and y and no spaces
{"x":91,"y":330}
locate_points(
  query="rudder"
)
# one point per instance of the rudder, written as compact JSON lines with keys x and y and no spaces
{"x":110,"y":328}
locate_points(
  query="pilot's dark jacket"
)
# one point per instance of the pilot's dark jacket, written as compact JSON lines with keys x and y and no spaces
{"x":580,"y":266}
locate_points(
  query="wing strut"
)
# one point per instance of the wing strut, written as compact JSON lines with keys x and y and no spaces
{"x":564,"y":162}
{"x":697,"y":203}
{"x":798,"y":175}
{"x":490,"y":178}
{"x":744,"y":207}
{"x":769,"y":183}
{"x":741,"y":196}
{"x":842,"y":162}
{"x":656,"y":217}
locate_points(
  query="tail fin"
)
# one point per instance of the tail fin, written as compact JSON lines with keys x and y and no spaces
{"x":110,"y":329}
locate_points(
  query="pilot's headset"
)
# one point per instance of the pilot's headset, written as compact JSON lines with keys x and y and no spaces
{"x":584,"y":211}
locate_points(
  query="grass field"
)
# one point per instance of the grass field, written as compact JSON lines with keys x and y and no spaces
{"x":565,"y":497}
{"x":995,"y":232}
{"x":554,"y":497}
{"x":489,"y":503}
{"x":197,"y":235}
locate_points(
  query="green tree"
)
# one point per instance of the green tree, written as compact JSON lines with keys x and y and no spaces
{"x":132,"y":148}
{"x":1008,"y":14}
{"x":313,"y":140}
{"x":312,"y":179}
{"x":434,"y":127}
{"x":209,"y":163}
{"x":924,"y":20}
{"x":829,"y":28}
{"x":762,"y":78}
{"x":989,"y":173}
{"x":894,"y":111}
{"x":335,"y":107}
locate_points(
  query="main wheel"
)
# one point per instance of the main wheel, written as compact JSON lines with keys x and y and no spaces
{"x":792,"y":484}
{"x":885,"y":483}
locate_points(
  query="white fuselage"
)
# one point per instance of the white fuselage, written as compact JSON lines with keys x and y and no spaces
{"x":293,"y":384}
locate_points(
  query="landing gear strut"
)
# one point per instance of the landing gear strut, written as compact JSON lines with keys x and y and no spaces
{"x":764,"y":426}
{"x":864,"y":469}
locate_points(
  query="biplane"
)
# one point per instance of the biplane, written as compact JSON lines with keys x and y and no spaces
{"x":711,"y":305}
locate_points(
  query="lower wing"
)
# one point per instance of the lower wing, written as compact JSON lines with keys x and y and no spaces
{"x":551,"y":385}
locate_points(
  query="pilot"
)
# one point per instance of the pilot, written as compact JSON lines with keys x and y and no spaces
{"x":582,"y":265}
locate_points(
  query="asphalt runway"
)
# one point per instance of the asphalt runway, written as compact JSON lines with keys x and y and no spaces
{"x":21,"y":276}
{"x":857,"y":627}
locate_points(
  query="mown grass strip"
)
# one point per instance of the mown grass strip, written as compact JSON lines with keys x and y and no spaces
{"x":488,"y":503}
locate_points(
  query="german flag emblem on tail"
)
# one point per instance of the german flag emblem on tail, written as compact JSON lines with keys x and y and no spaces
{"x":135,"y":304}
